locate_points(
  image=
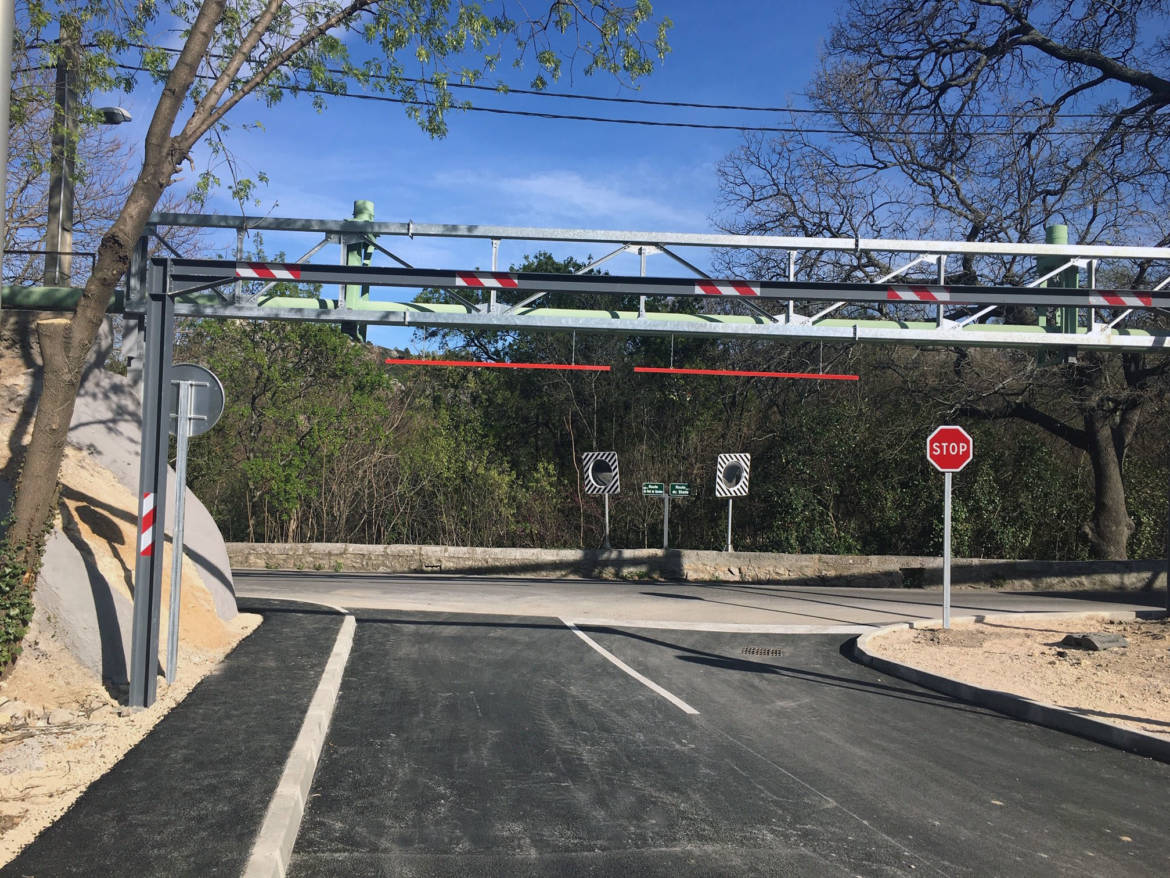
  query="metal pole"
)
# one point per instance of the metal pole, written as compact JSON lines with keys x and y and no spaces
{"x":133,"y":326}
{"x":605,"y":542}
{"x":665,"y":521}
{"x":59,"y":234}
{"x":947,"y":553}
{"x":7,"y":28}
{"x":160,"y":329}
{"x":357,"y":252}
{"x":728,"y":524}
{"x":183,"y":415}
{"x":1168,"y":543}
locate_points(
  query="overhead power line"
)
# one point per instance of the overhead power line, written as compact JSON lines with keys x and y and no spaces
{"x":654,"y":123}
{"x":648,"y":102}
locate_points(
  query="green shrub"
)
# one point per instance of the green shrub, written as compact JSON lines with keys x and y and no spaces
{"x":16,"y":606}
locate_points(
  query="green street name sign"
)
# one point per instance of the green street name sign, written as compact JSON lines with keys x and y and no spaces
{"x":653,"y":489}
{"x":680,"y":489}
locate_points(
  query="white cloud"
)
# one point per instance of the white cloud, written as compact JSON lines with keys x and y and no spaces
{"x":570,"y":198}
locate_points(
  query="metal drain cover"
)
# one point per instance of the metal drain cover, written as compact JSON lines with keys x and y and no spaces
{"x":762,"y":650}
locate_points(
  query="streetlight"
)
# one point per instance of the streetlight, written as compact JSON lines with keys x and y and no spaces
{"x":59,"y":232}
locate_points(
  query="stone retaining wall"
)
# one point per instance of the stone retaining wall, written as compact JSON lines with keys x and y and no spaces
{"x":888,"y":571}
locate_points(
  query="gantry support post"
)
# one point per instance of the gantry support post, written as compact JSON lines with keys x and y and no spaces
{"x":358,"y":252}
{"x":152,"y":492}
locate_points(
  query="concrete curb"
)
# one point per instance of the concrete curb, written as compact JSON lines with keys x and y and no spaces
{"x":274,"y":843}
{"x":1017,"y":706}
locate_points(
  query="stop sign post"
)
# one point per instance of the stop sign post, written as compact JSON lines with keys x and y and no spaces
{"x":949,"y":449}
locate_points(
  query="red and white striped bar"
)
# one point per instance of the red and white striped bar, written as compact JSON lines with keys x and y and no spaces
{"x":483,"y":279}
{"x":727,"y":288}
{"x":1115,"y":300}
{"x":146,"y":525}
{"x":267,"y":271}
{"x":918,"y":294}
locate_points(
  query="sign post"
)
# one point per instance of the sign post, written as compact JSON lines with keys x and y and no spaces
{"x":196,"y":403}
{"x":658,"y":489}
{"x":602,"y":477}
{"x":949,"y":449}
{"x":732,"y":474}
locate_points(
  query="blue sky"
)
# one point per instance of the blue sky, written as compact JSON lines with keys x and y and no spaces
{"x":501,"y":170}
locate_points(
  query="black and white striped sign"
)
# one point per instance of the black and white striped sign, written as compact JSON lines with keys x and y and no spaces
{"x":601,"y":472}
{"x":731,"y":475}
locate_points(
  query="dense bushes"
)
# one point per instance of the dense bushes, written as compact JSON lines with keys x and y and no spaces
{"x":322,"y":442}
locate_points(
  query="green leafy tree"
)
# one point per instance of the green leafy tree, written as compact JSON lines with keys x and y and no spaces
{"x":268,"y":48}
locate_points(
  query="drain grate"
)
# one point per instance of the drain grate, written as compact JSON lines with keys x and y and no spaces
{"x":762,"y":650}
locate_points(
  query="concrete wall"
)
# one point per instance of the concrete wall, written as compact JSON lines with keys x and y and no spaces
{"x":889,"y":571}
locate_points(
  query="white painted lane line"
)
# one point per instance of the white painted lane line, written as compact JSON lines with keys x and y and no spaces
{"x":730,"y":627}
{"x":645,"y":681}
{"x":274,"y":843}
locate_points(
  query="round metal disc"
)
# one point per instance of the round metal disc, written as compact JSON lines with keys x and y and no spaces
{"x":207,"y":396}
{"x":601,"y":472}
{"x":732,"y":474}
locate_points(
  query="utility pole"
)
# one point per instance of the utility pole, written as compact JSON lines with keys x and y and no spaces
{"x":63,"y":160}
{"x":7,"y":28}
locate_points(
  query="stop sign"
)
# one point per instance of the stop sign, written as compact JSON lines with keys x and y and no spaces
{"x":949,"y":448}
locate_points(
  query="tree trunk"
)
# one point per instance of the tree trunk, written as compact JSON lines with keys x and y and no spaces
{"x":1109,"y":529}
{"x":70,"y":346}
{"x":35,"y":500}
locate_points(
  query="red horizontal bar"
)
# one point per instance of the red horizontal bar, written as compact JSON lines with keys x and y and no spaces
{"x":489,"y":365}
{"x":819,"y":376}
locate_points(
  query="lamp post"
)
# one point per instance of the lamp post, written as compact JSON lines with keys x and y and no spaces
{"x":63,"y":159}
{"x":6,"y":30}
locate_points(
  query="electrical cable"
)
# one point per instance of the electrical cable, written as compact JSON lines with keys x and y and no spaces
{"x":750,"y":108}
{"x":769,"y":129}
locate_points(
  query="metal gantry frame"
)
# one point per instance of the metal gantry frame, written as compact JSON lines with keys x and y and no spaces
{"x":917,"y":313}
{"x":925,"y":313}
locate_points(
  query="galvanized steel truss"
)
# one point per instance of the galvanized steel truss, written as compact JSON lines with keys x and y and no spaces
{"x":891,"y":309}
{"x":159,"y":290}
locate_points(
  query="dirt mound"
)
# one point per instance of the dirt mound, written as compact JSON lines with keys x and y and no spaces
{"x":63,"y":720}
{"x":1129,"y":686}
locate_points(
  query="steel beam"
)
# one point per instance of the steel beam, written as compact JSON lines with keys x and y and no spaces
{"x":193,"y":273}
{"x":766,"y":242}
{"x":659,"y":323}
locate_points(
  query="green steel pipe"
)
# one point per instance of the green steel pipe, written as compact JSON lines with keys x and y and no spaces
{"x":1070,"y":278}
{"x":652,"y":316}
{"x":358,"y":253}
{"x":49,"y":299}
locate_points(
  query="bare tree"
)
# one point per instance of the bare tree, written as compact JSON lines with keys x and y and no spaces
{"x":103,"y":166}
{"x":267,"y":47}
{"x":988,"y":120}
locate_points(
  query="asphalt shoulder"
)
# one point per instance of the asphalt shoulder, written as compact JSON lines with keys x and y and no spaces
{"x":190,"y":798}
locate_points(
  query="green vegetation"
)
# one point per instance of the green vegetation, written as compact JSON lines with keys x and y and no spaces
{"x":323,"y":442}
{"x":15,"y":605}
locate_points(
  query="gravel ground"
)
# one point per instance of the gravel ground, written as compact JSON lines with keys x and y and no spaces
{"x":1129,"y":686}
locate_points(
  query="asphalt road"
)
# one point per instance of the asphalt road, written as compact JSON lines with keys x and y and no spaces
{"x":524,"y":743}
{"x":732,"y":606}
{"x":509,"y":745}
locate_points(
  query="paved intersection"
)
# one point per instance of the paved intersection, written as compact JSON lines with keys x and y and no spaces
{"x":596,"y":729}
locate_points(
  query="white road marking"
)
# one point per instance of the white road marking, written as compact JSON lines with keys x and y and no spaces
{"x":730,"y":627}
{"x":274,"y":843}
{"x":645,"y":681}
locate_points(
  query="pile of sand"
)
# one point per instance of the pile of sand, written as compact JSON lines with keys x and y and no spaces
{"x":1129,"y":686}
{"x":60,"y":727}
